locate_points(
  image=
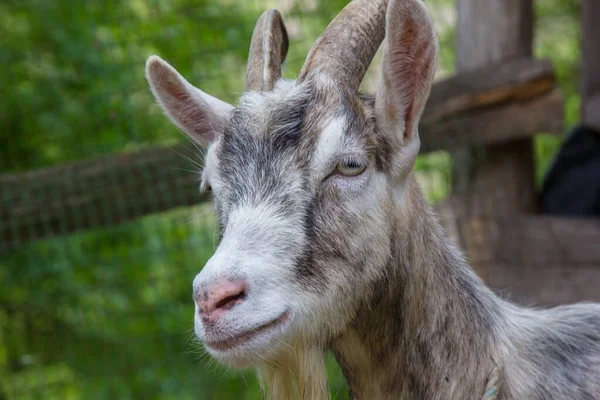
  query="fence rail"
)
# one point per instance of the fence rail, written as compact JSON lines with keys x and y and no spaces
{"x":538,"y":259}
{"x":102,"y":192}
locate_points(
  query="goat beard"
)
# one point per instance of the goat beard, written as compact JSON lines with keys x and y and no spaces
{"x":300,"y":373}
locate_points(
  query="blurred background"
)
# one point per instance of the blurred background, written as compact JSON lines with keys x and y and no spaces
{"x":96,"y":304}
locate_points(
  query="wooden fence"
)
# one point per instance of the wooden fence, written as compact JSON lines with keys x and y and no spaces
{"x":492,"y":213}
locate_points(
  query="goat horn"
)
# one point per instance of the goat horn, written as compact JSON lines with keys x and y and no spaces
{"x":347,"y":47}
{"x":268,"y":49}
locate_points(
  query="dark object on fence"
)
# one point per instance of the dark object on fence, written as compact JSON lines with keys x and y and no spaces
{"x":572,"y":185}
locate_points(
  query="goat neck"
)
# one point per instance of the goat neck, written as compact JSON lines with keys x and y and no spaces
{"x":429,"y":330}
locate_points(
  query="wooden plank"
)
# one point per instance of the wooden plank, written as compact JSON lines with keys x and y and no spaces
{"x":492,"y":105}
{"x":531,"y":259}
{"x":532,"y":240}
{"x":513,"y":120}
{"x":95,"y":193}
{"x":544,"y":285}
{"x":488,"y":86}
{"x":490,"y":32}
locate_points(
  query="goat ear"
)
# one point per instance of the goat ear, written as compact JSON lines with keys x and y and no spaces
{"x":408,"y":68}
{"x":199,"y":115}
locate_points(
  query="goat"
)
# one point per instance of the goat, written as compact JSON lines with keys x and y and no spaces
{"x":326,"y":242}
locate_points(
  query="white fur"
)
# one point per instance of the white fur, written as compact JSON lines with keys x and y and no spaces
{"x":331,"y":142}
{"x":249,"y":251}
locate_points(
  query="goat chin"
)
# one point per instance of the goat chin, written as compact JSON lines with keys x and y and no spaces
{"x":298,"y":374}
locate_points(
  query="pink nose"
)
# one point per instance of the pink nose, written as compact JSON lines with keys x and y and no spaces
{"x":220,"y":297}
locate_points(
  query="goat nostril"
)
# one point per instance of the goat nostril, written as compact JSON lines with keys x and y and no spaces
{"x":220,"y":297}
{"x":230,"y":301}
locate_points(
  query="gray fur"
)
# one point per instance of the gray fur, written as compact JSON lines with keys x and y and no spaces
{"x":426,"y":327}
{"x":359,"y":264}
{"x":437,"y":331}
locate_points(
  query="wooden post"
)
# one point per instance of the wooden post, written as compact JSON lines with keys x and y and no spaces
{"x":496,"y":179}
{"x":590,"y":64}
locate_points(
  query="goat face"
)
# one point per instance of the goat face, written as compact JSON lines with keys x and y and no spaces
{"x":305,"y":176}
{"x":303,"y":212}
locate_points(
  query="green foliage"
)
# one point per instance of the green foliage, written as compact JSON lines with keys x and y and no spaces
{"x":107,"y":314}
{"x":74,"y":71}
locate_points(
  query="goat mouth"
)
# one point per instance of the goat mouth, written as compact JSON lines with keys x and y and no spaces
{"x":247,"y":335}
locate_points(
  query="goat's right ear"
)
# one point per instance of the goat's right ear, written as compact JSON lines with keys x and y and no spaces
{"x":199,"y":115}
{"x":408,"y":68}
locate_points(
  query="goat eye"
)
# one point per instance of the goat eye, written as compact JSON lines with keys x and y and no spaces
{"x":350,"y":167}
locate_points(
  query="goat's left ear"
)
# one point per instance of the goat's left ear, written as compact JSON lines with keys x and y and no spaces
{"x":408,"y":69}
{"x":200,"y":115}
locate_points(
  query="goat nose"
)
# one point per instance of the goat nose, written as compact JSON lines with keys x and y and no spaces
{"x":220,"y":297}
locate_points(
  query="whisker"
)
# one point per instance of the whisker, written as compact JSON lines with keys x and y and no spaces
{"x":194,"y":162}
{"x":185,"y":135}
{"x":186,"y":170}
